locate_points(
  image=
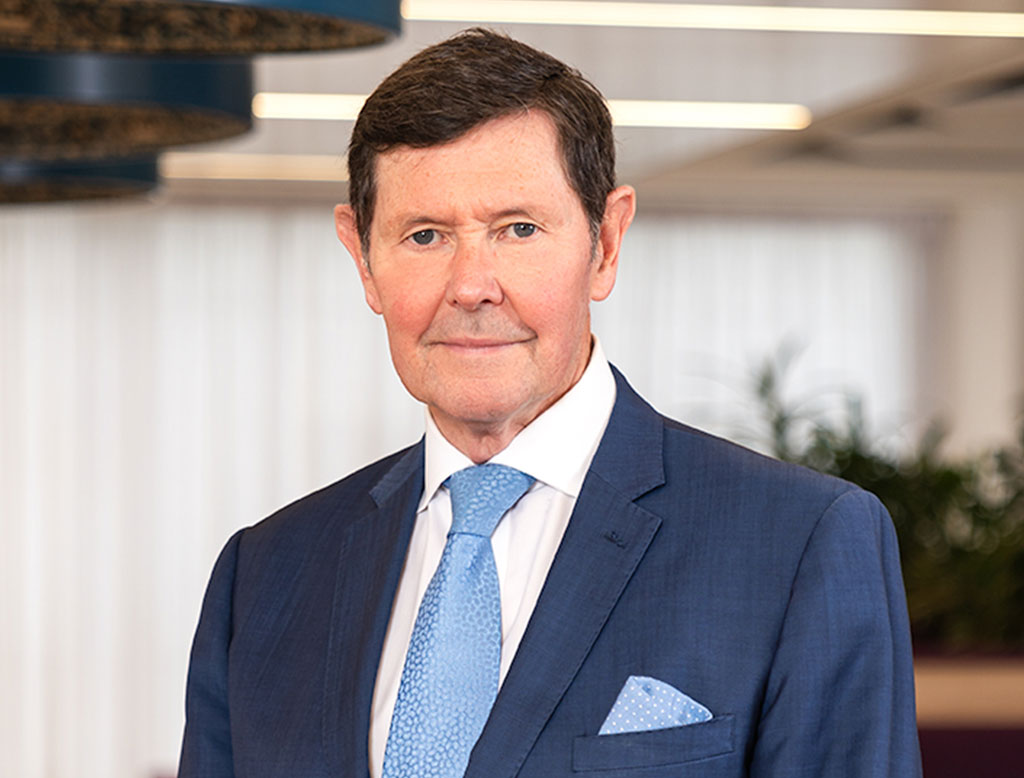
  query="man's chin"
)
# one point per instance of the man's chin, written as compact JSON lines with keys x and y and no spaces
{"x":484,"y":409}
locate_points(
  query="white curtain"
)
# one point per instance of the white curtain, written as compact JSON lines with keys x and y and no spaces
{"x":703,"y":300}
{"x":170,"y":373}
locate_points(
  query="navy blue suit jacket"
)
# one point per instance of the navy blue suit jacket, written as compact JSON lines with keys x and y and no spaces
{"x":768,"y":593}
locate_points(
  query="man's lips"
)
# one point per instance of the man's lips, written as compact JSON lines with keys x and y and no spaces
{"x":478,"y":344}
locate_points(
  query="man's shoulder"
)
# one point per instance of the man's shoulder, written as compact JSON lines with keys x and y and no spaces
{"x":697,"y":460}
{"x":732,"y":463}
{"x":746,"y":511}
{"x":742,"y":491}
{"x":337,"y":504}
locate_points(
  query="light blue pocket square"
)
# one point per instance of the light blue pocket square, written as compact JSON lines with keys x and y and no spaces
{"x":647,"y":703}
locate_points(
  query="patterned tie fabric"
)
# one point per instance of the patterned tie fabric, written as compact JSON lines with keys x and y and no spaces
{"x":450,"y":678}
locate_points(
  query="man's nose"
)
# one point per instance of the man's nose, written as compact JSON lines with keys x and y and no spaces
{"x":473,"y":280}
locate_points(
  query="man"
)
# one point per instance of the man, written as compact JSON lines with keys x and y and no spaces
{"x":670,"y":604}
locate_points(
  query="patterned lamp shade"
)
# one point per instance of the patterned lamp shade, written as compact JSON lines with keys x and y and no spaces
{"x":25,"y":181}
{"x":235,"y":27}
{"x":86,"y":106}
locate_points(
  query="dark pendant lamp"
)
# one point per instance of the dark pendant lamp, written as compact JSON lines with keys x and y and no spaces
{"x":75,"y":106}
{"x":30,"y":181}
{"x":195,"y":26}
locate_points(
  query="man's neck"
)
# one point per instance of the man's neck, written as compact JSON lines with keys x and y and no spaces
{"x":478,"y":441}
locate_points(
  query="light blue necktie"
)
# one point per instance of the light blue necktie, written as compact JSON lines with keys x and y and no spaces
{"x":450,"y":678}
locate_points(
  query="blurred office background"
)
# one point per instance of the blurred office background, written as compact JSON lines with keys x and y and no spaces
{"x":177,"y":366}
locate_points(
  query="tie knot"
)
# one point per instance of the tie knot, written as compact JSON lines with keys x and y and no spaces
{"x":481,"y":494}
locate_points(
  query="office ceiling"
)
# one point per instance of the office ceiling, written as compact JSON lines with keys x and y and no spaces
{"x":954,"y":132}
{"x":851,"y":83}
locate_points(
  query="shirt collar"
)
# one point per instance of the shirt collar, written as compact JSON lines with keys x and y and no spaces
{"x":555,"y":448}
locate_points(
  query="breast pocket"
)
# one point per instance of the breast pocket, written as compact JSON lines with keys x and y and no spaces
{"x":657,"y":748}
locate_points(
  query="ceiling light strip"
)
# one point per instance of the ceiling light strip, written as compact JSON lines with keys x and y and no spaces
{"x":304,"y":105}
{"x":880,"y":21}
{"x":625,"y":113}
{"x":672,"y":113}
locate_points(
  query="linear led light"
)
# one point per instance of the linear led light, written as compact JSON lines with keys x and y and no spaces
{"x":253,"y":167}
{"x":880,"y":21}
{"x":678,"y":113}
{"x":625,"y":113}
{"x":305,"y":105}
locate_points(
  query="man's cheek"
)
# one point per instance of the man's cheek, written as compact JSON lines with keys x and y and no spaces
{"x":407,"y":313}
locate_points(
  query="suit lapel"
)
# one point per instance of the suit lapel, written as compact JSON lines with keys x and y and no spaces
{"x":369,"y":567}
{"x":604,"y":542}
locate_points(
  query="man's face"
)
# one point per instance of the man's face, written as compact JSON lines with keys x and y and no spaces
{"x":482,"y":265}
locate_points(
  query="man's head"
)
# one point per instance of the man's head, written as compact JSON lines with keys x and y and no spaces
{"x":478,"y":249}
{"x":478,"y":75}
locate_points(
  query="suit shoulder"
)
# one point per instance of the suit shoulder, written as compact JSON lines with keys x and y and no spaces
{"x":698,"y":456}
{"x":696,"y":464}
{"x":342,"y":501}
{"x":754,"y":513}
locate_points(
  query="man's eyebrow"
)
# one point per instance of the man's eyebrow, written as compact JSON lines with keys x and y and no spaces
{"x":406,"y":222}
{"x":519,"y":211}
{"x":523,"y":211}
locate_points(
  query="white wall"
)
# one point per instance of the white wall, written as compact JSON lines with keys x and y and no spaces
{"x":168,"y":374}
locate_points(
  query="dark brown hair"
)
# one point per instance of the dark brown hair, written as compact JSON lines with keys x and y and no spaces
{"x":473,"y":77}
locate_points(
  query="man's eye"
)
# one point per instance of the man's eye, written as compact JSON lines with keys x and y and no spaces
{"x":523,"y":229}
{"x":424,"y":237}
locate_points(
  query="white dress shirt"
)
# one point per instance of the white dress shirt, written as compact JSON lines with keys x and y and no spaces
{"x":556,"y":449}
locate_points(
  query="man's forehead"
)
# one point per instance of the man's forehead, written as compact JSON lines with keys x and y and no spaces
{"x":501,"y":134}
{"x":507,"y":164}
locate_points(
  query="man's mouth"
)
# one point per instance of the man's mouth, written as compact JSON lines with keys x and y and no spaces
{"x":479,"y":344}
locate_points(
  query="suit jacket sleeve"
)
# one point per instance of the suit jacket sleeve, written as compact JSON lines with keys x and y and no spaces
{"x":840,"y":692}
{"x":206,"y":746}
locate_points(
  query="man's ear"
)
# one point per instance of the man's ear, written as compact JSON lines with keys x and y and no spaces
{"x":348,"y":234}
{"x":619,"y":208}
